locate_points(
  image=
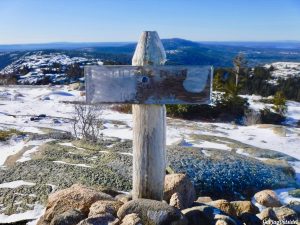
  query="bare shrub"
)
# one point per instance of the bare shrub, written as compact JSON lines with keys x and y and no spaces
{"x":87,"y":122}
{"x":252,"y":117}
{"x":8,"y":79}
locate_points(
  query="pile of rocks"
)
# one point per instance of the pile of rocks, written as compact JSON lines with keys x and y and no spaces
{"x":86,"y":206}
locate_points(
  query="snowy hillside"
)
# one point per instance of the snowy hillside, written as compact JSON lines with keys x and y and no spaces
{"x":40,"y":60}
{"x":42,"y":68}
{"x":285,"y":69}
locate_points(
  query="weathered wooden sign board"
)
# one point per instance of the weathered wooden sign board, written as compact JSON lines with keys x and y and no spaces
{"x":148,"y":84}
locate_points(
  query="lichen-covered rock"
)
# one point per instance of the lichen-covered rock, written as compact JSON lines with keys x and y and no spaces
{"x":241,"y":207}
{"x":226,"y":175}
{"x":102,"y":219}
{"x":204,"y":199}
{"x":285,"y":213}
{"x":105,"y":206}
{"x":76,"y":197}
{"x":70,"y":217}
{"x":267,"y":198}
{"x":281,"y":165}
{"x":223,"y":205}
{"x":267,"y":214}
{"x":132,"y":219}
{"x":151,"y":212}
{"x":181,"y":184}
{"x":176,"y":201}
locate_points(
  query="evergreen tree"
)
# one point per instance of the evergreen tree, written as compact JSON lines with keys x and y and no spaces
{"x":217,"y":82}
{"x":279,"y":102}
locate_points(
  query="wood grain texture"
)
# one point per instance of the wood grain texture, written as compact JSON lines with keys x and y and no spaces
{"x":148,"y":84}
{"x":149,"y":129}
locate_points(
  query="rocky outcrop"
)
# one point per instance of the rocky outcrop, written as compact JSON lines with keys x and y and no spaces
{"x":180,"y":184}
{"x":152,"y":212}
{"x":267,"y":198}
{"x":235,"y":176}
{"x":281,"y":165}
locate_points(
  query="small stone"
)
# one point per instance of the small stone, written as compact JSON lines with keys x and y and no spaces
{"x":267,"y":198}
{"x":176,"y":201}
{"x":221,"y":222}
{"x":241,"y":207}
{"x":151,"y":211}
{"x":267,"y":214}
{"x":285,"y":213}
{"x":103,"y":219}
{"x":250,"y":219}
{"x":132,"y":219}
{"x":181,"y":184}
{"x":204,"y":215}
{"x":224,"y":220}
{"x":70,"y":217}
{"x":223,"y":205}
{"x":204,"y":199}
{"x":105,"y":206}
{"x":76,"y":197}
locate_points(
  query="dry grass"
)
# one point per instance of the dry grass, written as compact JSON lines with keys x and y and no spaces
{"x":7,"y":134}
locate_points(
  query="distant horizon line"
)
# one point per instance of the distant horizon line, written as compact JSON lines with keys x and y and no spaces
{"x":128,"y":42}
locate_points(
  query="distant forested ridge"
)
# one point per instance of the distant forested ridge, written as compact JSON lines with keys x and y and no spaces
{"x":179,"y":52}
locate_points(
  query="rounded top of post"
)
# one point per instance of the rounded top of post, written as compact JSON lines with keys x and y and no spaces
{"x":149,"y":50}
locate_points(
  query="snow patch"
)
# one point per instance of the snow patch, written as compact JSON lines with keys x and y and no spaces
{"x":16,"y":184}
{"x":72,"y":164}
{"x":36,"y":213}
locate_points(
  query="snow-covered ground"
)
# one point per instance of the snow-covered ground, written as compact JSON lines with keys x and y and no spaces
{"x":36,"y":213}
{"x":18,"y":104}
{"x":15,"y":112}
{"x":293,"y":108}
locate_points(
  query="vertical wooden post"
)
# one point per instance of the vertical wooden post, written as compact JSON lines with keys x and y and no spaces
{"x":149,"y":128}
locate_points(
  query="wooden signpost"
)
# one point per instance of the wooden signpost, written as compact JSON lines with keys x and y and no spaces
{"x":148,"y":86}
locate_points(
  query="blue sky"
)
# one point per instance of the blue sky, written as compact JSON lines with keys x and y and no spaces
{"x":39,"y":21}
